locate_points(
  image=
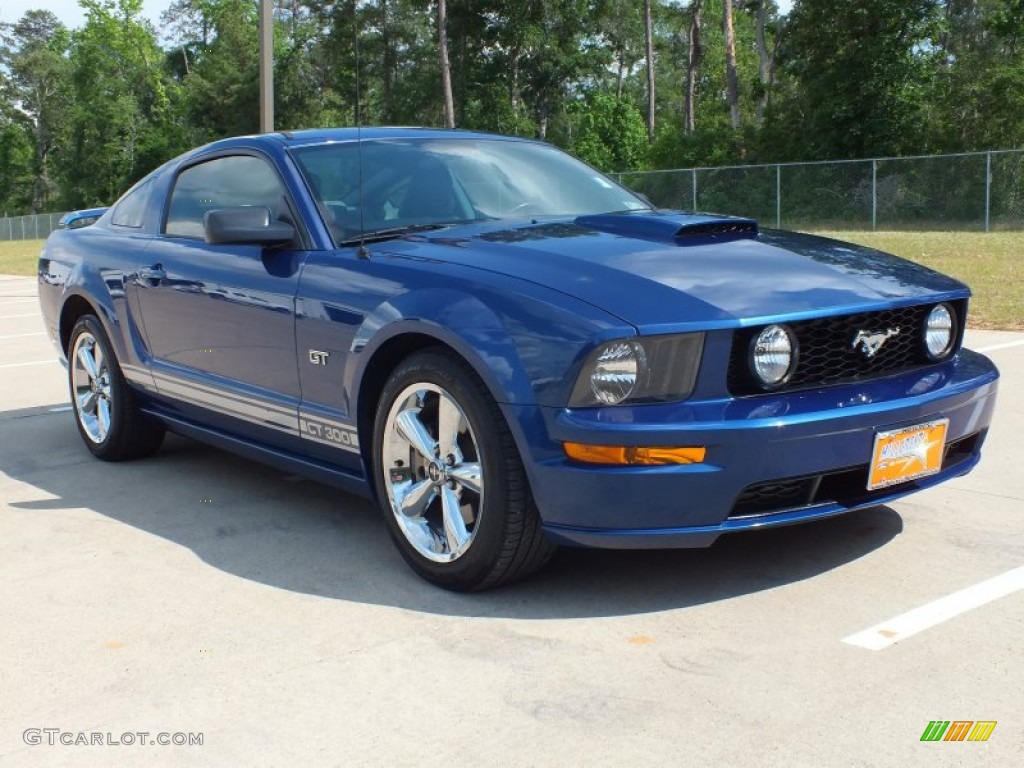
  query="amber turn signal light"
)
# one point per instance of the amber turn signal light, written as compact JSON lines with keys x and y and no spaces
{"x":631,"y":455}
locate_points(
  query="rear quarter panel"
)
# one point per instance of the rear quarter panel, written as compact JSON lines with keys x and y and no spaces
{"x":93,"y":263}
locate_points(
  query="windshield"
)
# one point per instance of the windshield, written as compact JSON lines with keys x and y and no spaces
{"x":416,"y":183}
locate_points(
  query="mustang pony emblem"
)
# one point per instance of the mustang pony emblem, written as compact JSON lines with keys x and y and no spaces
{"x":870,"y":343}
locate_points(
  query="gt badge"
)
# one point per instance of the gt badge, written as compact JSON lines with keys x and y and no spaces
{"x":870,"y":343}
{"x":316,"y":357}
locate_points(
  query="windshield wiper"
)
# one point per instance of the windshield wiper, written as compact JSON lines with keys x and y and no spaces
{"x":377,"y":235}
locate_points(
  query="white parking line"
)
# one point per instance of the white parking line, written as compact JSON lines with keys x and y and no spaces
{"x":33,"y":362}
{"x":16,"y":299}
{"x":11,"y":317}
{"x":919,"y":619}
{"x":1006,"y":345}
{"x":22,"y":335}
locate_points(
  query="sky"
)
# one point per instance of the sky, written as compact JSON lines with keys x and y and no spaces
{"x":69,"y":12}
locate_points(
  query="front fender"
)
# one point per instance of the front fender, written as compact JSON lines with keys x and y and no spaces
{"x":524,"y":342}
{"x":458,"y":320}
{"x":526,"y":346}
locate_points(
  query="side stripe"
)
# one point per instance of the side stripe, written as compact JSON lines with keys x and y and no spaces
{"x":138,"y":376}
{"x":227,"y":404}
{"x":208,"y":389}
{"x":295,"y":422}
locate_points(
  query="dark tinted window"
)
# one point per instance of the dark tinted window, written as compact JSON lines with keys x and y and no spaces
{"x":225,"y":182}
{"x":131,"y":210}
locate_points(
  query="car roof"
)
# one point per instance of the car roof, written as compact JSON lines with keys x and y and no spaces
{"x":315,"y":136}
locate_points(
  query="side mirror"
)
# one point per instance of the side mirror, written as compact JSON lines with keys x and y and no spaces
{"x":245,"y":225}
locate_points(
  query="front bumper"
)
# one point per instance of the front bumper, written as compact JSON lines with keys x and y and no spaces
{"x":771,"y":460}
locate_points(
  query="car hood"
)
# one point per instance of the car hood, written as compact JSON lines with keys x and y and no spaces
{"x":641,"y":268}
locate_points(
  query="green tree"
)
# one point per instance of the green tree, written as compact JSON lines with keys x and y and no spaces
{"x":84,"y":113}
{"x":981,"y":87}
{"x":33,"y":53}
{"x":121,"y":120}
{"x":16,"y":161}
{"x":693,"y":81}
{"x":862,"y":75}
{"x":221,"y":85}
{"x":621,"y":26}
{"x":303,"y":80}
{"x":609,"y":133}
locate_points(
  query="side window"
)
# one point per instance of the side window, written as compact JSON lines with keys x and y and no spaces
{"x":224,"y":182}
{"x":129,"y":212}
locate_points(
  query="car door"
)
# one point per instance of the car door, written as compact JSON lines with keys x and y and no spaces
{"x":219,"y":319}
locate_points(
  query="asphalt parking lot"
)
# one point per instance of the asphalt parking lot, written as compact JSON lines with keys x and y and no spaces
{"x":198,"y":593}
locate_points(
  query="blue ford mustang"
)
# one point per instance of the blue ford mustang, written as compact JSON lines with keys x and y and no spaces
{"x":505,"y":349}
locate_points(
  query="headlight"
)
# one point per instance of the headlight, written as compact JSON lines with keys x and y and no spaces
{"x":617,"y":370}
{"x":773,"y":355}
{"x":642,"y":370}
{"x":939,"y":332}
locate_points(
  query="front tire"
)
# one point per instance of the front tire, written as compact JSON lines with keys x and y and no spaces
{"x":108,"y":418}
{"x":450,"y":480}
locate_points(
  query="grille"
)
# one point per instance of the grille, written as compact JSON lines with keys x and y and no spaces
{"x":826,"y":354}
{"x":847,"y":487}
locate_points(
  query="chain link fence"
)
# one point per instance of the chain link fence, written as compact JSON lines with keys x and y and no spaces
{"x":982,"y":191}
{"x":28,"y":227}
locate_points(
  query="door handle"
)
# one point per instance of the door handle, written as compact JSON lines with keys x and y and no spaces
{"x":155,"y":273}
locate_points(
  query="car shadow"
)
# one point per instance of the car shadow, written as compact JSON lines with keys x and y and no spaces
{"x":295,"y":534}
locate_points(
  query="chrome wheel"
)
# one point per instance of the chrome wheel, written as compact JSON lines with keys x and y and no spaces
{"x":91,"y":389}
{"x":432,"y":471}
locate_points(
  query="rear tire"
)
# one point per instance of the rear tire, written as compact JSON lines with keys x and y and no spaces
{"x":108,"y":418}
{"x":450,"y":480}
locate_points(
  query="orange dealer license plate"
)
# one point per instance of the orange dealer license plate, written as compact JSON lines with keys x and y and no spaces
{"x":907,"y":454}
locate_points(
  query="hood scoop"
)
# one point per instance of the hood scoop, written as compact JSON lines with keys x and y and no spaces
{"x":678,"y":228}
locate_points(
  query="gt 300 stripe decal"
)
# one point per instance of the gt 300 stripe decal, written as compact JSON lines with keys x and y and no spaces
{"x":330,"y":433}
{"x":256,"y":411}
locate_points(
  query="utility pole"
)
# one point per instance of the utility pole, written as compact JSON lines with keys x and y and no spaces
{"x":446,"y":67}
{"x":266,"y":66}
{"x":649,"y":46}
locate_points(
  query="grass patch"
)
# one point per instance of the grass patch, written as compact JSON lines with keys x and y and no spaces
{"x":990,"y":263}
{"x":19,"y":257}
